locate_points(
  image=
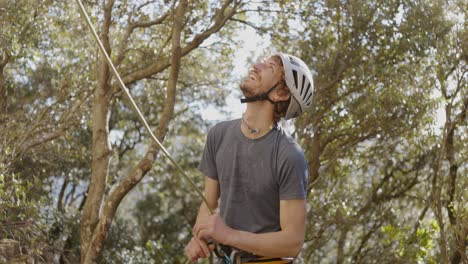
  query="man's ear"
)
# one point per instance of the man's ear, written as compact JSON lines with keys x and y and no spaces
{"x":282,"y":93}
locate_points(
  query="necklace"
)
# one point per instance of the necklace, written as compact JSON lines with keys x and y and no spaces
{"x":253,"y":130}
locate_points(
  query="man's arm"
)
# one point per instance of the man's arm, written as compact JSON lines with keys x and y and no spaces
{"x":285,"y":243}
{"x":197,"y":248}
{"x":211,"y":193}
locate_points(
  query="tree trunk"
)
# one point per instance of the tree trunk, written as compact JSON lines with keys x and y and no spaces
{"x":95,"y":222}
{"x":3,"y":95}
{"x":95,"y":245}
{"x":341,"y":242}
{"x":460,"y":230}
{"x":461,"y":243}
{"x":101,"y":150}
{"x":314,"y":159}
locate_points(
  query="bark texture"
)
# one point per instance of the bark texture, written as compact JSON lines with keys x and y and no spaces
{"x":101,"y":149}
{"x":3,"y":95}
{"x":99,"y":211}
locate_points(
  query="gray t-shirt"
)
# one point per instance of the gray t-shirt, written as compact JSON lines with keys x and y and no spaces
{"x":254,"y":175}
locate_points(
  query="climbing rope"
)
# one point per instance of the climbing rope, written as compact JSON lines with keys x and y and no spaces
{"x":218,"y":251}
{"x":135,"y":107}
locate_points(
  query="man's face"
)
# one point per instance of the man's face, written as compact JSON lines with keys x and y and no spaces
{"x":262,"y":76}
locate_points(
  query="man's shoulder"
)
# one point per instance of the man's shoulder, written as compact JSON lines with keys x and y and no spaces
{"x":226,"y":124}
{"x":285,"y":139}
{"x":288,"y":146}
{"x":222,"y":127}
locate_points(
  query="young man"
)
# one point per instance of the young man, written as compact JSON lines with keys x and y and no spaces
{"x":257,"y":171}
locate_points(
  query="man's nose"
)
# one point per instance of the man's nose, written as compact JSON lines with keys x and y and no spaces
{"x":259,"y":66}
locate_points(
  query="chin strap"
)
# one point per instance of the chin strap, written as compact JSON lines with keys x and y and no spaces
{"x":260,"y":97}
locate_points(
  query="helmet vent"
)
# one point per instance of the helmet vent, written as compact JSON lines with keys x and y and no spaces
{"x":295,"y":77}
{"x":294,"y":62}
{"x":308,"y":97}
{"x":308,"y":87}
{"x":303,"y":82}
{"x":307,"y":91}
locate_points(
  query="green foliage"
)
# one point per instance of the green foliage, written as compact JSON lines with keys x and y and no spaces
{"x":18,"y":213}
{"x":14,"y":192}
{"x":411,"y":247}
{"x":372,"y":137}
{"x":382,"y":71}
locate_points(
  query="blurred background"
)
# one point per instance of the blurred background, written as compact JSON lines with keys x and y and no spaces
{"x":386,"y":140}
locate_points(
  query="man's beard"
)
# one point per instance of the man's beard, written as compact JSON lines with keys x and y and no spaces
{"x":246,"y":89}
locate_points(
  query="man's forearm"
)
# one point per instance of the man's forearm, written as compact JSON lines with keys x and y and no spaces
{"x":285,"y":243}
{"x":197,"y":248}
{"x":274,"y":244}
{"x":211,"y":194}
{"x":203,"y":211}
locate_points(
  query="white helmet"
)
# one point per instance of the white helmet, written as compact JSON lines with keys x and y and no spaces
{"x":300,"y":83}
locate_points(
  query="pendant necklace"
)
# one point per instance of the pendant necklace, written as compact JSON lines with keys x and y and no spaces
{"x":252,"y":130}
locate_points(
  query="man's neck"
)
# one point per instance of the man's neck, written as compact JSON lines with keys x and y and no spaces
{"x":258,"y":116}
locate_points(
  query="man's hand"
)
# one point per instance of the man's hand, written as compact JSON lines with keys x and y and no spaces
{"x":212,"y":227}
{"x":197,"y":248}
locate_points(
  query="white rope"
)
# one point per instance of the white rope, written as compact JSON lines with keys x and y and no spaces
{"x":135,"y":107}
{"x":233,"y":256}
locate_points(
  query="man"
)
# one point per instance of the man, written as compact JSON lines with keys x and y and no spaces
{"x":257,"y":171}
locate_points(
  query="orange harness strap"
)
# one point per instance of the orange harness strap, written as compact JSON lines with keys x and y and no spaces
{"x":267,"y":260}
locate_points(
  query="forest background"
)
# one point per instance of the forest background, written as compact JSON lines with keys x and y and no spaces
{"x":386,"y":140}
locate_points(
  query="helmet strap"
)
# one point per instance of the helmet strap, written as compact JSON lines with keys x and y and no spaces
{"x":260,"y":97}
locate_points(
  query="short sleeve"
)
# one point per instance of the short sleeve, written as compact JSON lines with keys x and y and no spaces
{"x":293,"y":173}
{"x":208,"y":162}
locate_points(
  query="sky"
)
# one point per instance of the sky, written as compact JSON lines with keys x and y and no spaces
{"x":254,"y":45}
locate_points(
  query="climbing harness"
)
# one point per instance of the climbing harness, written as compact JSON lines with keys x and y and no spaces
{"x":140,"y":115}
{"x":237,"y":256}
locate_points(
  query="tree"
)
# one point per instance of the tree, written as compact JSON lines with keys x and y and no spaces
{"x":386,"y":180}
{"x":40,"y":111}
{"x":94,"y":222}
{"x":447,"y":186}
{"x":373,"y":104}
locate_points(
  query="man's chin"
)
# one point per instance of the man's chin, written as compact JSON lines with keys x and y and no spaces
{"x":246,"y":91}
{"x":244,"y":87}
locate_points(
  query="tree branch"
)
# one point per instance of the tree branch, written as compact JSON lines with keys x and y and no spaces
{"x":130,"y":29}
{"x":138,"y":172}
{"x":145,"y":4}
{"x":101,"y":151}
{"x":157,"y":66}
{"x":4,"y":60}
{"x":140,"y":24}
{"x":250,"y":24}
